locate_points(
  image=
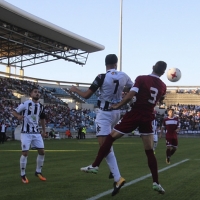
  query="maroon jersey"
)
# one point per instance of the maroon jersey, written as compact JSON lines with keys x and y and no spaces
{"x":171,"y":124}
{"x":149,"y":90}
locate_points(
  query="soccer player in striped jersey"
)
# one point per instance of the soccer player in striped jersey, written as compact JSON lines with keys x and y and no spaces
{"x":111,"y":85}
{"x":30,"y":112}
{"x":172,"y":126}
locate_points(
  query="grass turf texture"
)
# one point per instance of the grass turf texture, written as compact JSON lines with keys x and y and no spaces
{"x":65,"y":180}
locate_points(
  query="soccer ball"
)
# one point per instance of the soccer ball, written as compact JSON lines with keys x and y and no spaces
{"x":174,"y":74}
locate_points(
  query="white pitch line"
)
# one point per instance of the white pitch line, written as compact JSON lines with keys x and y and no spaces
{"x":135,"y":181}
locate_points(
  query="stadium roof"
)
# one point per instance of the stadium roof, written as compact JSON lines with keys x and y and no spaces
{"x":27,"y":40}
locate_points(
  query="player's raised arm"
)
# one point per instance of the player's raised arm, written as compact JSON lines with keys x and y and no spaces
{"x":96,"y":84}
{"x":85,"y":94}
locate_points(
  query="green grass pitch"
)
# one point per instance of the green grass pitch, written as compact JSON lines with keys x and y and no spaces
{"x":65,"y":180}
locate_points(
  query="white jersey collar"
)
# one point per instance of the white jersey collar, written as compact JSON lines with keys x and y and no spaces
{"x":154,"y":75}
{"x":110,"y":70}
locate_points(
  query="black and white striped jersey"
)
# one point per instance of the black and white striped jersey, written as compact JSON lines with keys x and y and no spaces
{"x":154,"y":126}
{"x":110,"y":86}
{"x":32,"y":112}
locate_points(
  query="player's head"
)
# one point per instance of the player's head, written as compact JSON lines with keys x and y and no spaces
{"x":111,"y":61}
{"x":35,"y":93}
{"x":170,"y":112}
{"x":159,"y":68}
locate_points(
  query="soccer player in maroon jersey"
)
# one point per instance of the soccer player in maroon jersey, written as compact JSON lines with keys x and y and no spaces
{"x":147,"y":91}
{"x":172,"y":126}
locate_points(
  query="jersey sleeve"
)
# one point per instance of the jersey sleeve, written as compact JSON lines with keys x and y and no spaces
{"x":20,"y":108}
{"x":136,"y":84}
{"x":129,"y":83}
{"x":97,"y":83}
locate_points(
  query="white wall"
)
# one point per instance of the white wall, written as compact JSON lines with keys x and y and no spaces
{"x":81,"y":105}
{"x":17,"y":132}
{"x":87,"y":106}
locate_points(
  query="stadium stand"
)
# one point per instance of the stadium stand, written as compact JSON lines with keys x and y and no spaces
{"x":61,"y":117}
{"x":173,"y":97}
{"x":28,"y":40}
{"x":189,"y":117}
{"x":42,"y":40}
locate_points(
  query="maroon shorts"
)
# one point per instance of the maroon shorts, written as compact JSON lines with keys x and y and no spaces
{"x":171,"y":142}
{"x":133,"y":120}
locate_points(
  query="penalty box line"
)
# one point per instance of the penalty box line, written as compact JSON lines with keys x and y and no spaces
{"x":136,"y":180}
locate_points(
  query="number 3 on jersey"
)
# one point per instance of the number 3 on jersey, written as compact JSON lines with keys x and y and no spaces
{"x":154,"y":93}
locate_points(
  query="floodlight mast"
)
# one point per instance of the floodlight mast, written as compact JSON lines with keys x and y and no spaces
{"x":119,"y":67}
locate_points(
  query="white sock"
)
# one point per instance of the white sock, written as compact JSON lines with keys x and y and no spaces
{"x":40,"y":162}
{"x":112,"y":163}
{"x":23,"y":161}
{"x":155,"y":145}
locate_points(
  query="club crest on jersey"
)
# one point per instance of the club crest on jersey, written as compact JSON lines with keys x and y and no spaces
{"x":30,"y":108}
{"x":34,"y":118}
{"x":113,"y":73}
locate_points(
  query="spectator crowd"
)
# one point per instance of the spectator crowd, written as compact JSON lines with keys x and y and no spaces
{"x":57,"y":116}
{"x":189,"y":116}
{"x":186,"y":91}
{"x":60,"y":116}
{"x":22,"y":87}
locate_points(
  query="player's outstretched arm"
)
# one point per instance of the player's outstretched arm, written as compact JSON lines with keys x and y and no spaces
{"x":85,"y":94}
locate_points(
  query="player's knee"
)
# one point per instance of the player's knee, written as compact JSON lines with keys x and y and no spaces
{"x":115,"y":134}
{"x":25,"y":153}
{"x":148,"y":145}
{"x":41,"y":152}
{"x":147,"y":148}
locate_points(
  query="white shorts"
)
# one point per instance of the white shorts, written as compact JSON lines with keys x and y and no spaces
{"x":35,"y":140}
{"x":155,"y":138}
{"x":105,"y":121}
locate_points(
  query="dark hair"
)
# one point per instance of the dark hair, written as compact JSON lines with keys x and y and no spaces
{"x":160,"y":67}
{"x":171,"y":109}
{"x":33,"y":88}
{"x":111,"y":59}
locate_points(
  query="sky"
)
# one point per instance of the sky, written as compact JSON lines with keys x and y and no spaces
{"x":152,"y":30}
